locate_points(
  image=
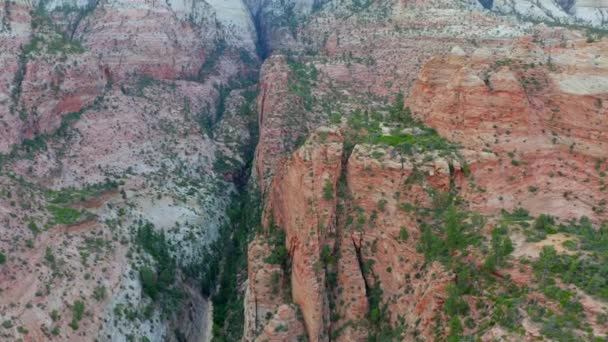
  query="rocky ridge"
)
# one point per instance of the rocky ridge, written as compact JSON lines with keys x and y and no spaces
{"x":497,"y":92}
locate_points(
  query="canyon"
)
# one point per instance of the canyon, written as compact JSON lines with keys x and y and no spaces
{"x":303,"y":170}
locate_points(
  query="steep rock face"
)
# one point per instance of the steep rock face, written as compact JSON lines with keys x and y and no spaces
{"x":351,"y":292}
{"x":384,"y":237}
{"x":524,"y":101}
{"x":340,"y":258}
{"x":477,"y":92}
{"x":176,"y":48}
{"x":282,"y":118}
{"x":60,"y":69}
{"x":132,"y":91}
{"x":359,"y":66}
{"x":232,"y":17}
{"x":120,"y":109}
{"x":271,"y":107}
{"x":265,"y":288}
{"x":138,"y":144}
{"x":385,"y":56}
{"x":277,"y":22}
{"x":302,"y":203}
{"x":284,"y":326}
{"x":15,"y":19}
{"x":534,"y":107}
{"x":298,"y":206}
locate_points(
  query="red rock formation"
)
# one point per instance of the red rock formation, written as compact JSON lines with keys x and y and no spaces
{"x":284,"y":326}
{"x":378,"y":189}
{"x":272,"y":106}
{"x":302,"y":203}
{"x":538,"y":109}
{"x":128,"y":84}
{"x":265,"y":288}
{"x":368,"y":250}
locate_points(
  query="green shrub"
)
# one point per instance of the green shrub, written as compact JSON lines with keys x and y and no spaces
{"x":149,"y":282}
{"x":403,"y":234}
{"x":328,"y":190}
{"x":327,"y":257}
{"x":302,"y":77}
{"x":78,"y":310}
{"x":501,"y":247}
{"x":157,"y":283}
{"x":55,"y":315}
{"x":99,"y":293}
{"x":454,"y":303}
{"x":64,"y":215}
{"x":279,"y":254}
{"x":69,"y":196}
{"x":545,"y":223}
{"x":77,"y":314}
{"x":455,"y":329}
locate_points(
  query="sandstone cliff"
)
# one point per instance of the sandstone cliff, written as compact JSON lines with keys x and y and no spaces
{"x":533,"y":104}
{"x":522,"y":102}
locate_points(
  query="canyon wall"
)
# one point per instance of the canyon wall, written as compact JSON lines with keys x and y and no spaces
{"x":524,"y":104}
{"x":390,"y":145}
{"x":116,"y":117}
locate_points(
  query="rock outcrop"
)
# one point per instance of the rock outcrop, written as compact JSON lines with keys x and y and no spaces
{"x":340,"y":258}
{"x":523,"y":102}
{"x":302,"y":202}
{"x":536,"y":105}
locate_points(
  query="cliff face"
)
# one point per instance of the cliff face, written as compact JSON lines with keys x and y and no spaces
{"x":301,"y":203}
{"x":525,"y":89}
{"x":342,"y":220}
{"x":117,"y":116}
{"x":532,"y":103}
{"x":525,"y":105}
{"x":281,"y":118}
{"x":383,"y":238}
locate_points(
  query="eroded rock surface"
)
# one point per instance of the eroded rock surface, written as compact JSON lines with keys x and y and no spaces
{"x":539,"y":109}
{"x":126,"y":126}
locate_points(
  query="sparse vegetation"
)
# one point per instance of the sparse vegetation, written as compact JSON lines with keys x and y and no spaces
{"x":48,"y":39}
{"x":501,"y":247}
{"x":278,"y":253}
{"x":64,"y":215}
{"x":407,"y":134}
{"x":584,"y":270}
{"x":99,"y":293}
{"x":77,"y":314}
{"x":303,"y":76}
